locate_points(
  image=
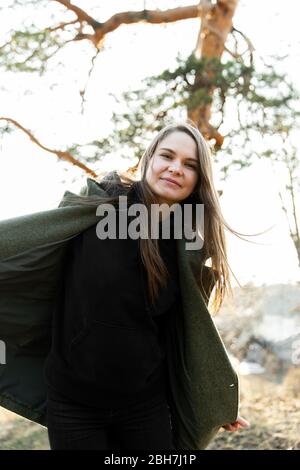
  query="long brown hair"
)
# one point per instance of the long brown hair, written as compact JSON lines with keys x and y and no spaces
{"x":214,"y":247}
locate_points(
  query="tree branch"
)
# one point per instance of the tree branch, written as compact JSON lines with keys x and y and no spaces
{"x":83,"y":92}
{"x":250,"y":46}
{"x":4,"y":45}
{"x":81,"y":14}
{"x":61,"y":26}
{"x":64,"y":155}
{"x":129,"y":17}
{"x":147,"y":16}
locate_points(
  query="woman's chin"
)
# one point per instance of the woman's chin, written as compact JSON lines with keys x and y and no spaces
{"x":167,"y":196}
{"x":166,"y":199}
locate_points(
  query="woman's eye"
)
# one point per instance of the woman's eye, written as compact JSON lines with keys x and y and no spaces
{"x":190,"y":165}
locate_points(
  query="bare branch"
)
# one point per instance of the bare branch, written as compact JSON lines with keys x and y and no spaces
{"x":61,"y":26}
{"x":129,"y":17}
{"x":60,"y":154}
{"x":81,"y":36}
{"x":293,"y":196}
{"x":221,"y":109}
{"x":81,"y":14}
{"x":34,"y":53}
{"x":4,"y":45}
{"x":251,"y":48}
{"x":58,"y":48}
{"x":147,"y":16}
{"x":249,"y":43}
{"x":285,"y":211}
{"x":83,"y":92}
{"x":235,"y":55}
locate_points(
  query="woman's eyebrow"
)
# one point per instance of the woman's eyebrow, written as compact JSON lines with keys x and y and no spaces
{"x":174,"y":153}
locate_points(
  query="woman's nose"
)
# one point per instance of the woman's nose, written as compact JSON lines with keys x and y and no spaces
{"x":175,"y":167}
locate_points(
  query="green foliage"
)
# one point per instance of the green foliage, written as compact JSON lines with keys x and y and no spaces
{"x":32,"y":48}
{"x":261,"y":102}
{"x":5,"y":128}
{"x":197,"y":77}
{"x":29,"y":46}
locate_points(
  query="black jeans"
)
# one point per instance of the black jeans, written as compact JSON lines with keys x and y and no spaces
{"x":73,"y":426}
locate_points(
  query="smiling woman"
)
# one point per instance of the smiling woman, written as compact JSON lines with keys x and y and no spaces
{"x":135,"y":358}
{"x":173,"y":170}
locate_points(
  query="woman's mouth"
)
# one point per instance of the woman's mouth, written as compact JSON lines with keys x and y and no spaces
{"x":171,"y":182}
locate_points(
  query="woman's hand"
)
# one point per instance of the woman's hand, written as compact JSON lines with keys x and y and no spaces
{"x":239,"y":423}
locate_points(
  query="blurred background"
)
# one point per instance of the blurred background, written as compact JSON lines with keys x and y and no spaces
{"x":84,"y":87}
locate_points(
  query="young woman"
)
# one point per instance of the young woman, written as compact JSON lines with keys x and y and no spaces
{"x":107,"y":371}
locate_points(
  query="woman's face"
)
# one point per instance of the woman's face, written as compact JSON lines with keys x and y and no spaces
{"x":175,"y":158}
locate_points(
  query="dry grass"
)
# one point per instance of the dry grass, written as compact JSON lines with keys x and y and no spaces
{"x":274,"y":413}
{"x":21,"y":434}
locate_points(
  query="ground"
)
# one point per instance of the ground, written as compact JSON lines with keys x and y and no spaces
{"x":272,"y":408}
{"x":274,"y":413}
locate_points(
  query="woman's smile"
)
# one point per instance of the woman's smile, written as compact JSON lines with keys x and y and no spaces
{"x":171,"y":182}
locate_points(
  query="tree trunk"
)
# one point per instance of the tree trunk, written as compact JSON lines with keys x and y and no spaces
{"x":216,"y":24}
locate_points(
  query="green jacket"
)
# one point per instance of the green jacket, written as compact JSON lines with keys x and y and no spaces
{"x":204,"y":386}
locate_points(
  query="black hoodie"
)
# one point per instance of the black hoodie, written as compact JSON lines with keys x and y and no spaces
{"x":108,"y":340}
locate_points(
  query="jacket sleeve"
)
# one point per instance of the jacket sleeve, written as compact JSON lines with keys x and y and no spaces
{"x":32,"y":251}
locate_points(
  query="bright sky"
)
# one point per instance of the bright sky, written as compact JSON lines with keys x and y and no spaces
{"x":31,"y":180}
